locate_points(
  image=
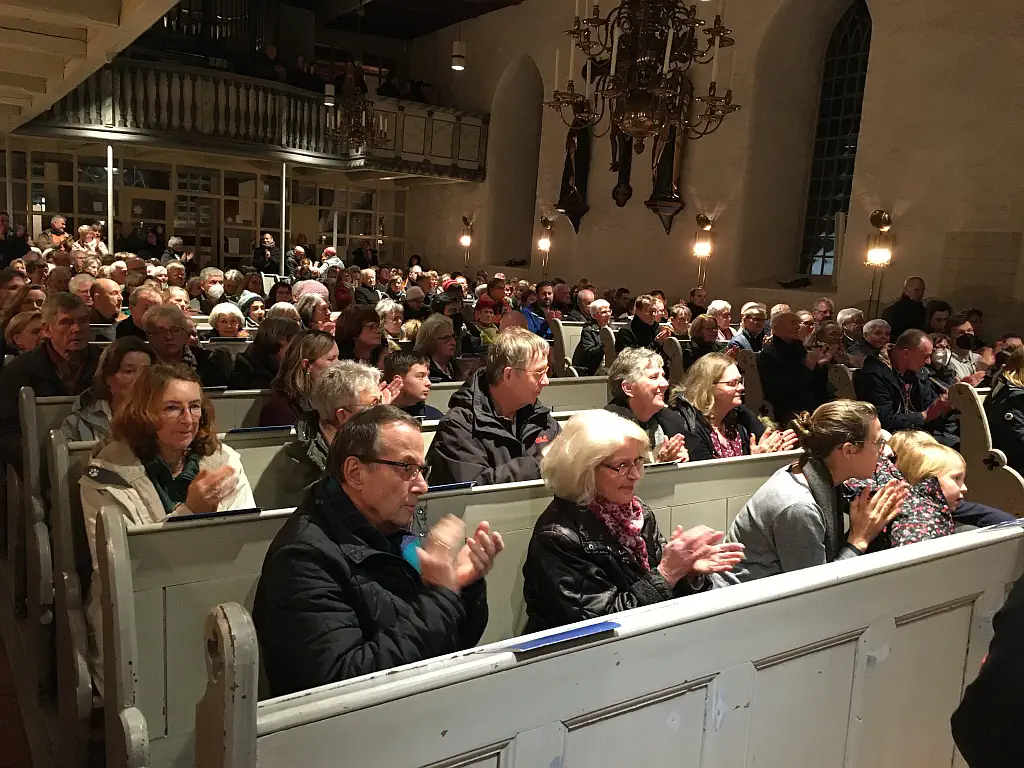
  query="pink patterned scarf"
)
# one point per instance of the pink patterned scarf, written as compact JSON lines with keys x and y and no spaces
{"x":624,"y":521}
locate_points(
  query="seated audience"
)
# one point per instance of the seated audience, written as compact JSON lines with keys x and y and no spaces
{"x":874,"y":340}
{"x":211,"y":291}
{"x":163,"y":460}
{"x":279,"y":291}
{"x":63,"y":365}
{"x":23,"y":333}
{"x":637,"y":386}
{"x":909,"y":311}
{"x":793,"y":378}
{"x":716,"y":423}
{"x":752,"y":329}
{"x":367,"y":292}
{"x":308,"y":354}
{"x":937,"y":476}
{"x":315,"y":313}
{"x":902,"y":398}
{"x":413,"y":369}
{"x":437,"y":341}
{"x":851,"y":320}
{"x":679,"y":318}
{"x":807,"y":324}
{"x":937,"y":314}
{"x":140,"y":301}
{"x":254,"y":310}
{"x":106,"y":308}
{"x":828,"y":337}
{"x":581,"y":314}
{"x":703,"y":340}
{"x":796,"y":520}
{"x":414,"y":306}
{"x":482,"y":332}
{"x":389,"y":312}
{"x":963,"y":360}
{"x":938,"y":370}
{"x":643,"y":330}
{"x":1004,"y":409}
{"x":167,"y":329}
{"x":283,"y":310}
{"x":495,"y":428}
{"x":589,"y":355}
{"x":360,"y":337}
{"x":596,"y":550}
{"x":345,"y":591}
{"x":722,"y":312}
{"x":257,"y":365}
{"x":118,"y":368}
{"x":81,"y":286}
{"x":698,"y":302}
{"x":824,"y":310}
{"x":59,"y":280}
{"x":178,"y":297}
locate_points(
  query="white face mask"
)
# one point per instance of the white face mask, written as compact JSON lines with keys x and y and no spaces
{"x":215,"y":291}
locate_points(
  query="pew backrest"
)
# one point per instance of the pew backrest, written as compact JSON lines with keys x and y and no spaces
{"x":674,"y":357}
{"x":746,"y":361}
{"x":841,"y":379}
{"x":608,"y":340}
{"x":569,"y":394}
{"x":178,"y":571}
{"x":869,"y":656}
{"x":989,"y":479}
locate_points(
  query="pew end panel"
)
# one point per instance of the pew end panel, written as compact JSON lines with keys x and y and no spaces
{"x":746,"y":361}
{"x":608,"y":340}
{"x":989,"y":480}
{"x":869,"y":676}
{"x":841,"y":379}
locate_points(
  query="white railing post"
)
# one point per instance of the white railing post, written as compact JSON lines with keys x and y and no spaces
{"x":284,"y":214}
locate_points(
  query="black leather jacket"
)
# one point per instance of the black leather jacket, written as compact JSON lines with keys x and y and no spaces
{"x":575,"y":569}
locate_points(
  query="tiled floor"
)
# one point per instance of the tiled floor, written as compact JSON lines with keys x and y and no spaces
{"x":14,"y":752}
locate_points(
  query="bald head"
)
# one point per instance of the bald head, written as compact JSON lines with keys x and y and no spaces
{"x":106,"y":298}
{"x":786,"y":326}
{"x":584,"y":299}
{"x":914,"y":288}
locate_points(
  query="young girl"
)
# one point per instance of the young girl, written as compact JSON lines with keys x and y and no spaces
{"x":937,"y":477}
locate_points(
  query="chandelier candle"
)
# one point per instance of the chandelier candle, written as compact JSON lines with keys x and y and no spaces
{"x":668,"y":51}
{"x":558,"y":57}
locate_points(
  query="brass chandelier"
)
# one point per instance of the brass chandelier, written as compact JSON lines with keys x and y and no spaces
{"x":635,"y":68}
{"x":354,"y":120}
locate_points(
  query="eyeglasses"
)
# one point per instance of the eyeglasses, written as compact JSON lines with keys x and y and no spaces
{"x":176,"y":410}
{"x":166,"y":333}
{"x":622,"y":470}
{"x":447,"y":337}
{"x":375,"y":327}
{"x":880,"y":443}
{"x":539,"y":374}
{"x":731,"y":383}
{"x":406,"y":469}
{"x":357,"y":407}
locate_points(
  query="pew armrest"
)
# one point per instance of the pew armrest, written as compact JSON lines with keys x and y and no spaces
{"x":994,"y":459}
{"x":74,"y":684}
{"x":226,"y":715}
{"x":128,"y":744}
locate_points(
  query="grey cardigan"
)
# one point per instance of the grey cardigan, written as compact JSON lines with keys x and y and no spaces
{"x":793,"y":521}
{"x":89,"y":419}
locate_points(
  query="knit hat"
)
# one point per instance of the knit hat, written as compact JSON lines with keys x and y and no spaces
{"x":486,"y":302}
{"x":330,"y":251}
{"x":448,"y":284}
{"x":303,"y":287}
{"x":411,"y":294}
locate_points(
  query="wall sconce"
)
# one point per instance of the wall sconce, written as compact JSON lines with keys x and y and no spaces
{"x":544,"y":243}
{"x":466,"y":239}
{"x":879,"y":256}
{"x":329,"y":95}
{"x":702,"y":246}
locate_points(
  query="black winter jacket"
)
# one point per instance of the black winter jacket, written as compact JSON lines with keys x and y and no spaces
{"x":905,"y":314}
{"x":880,"y":385}
{"x":698,"y":432}
{"x":787,"y":383}
{"x":667,"y":421}
{"x":336,"y":600}
{"x":1004,"y":408}
{"x":267,"y":259}
{"x":986,"y":725}
{"x":638,"y":334}
{"x":252,"y":369}
{"x":473,"y":443}
{"x":589,"y":353}
{"x":576,"y":570}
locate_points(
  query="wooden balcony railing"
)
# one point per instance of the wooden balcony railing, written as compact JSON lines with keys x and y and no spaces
{"x":191,"y":108}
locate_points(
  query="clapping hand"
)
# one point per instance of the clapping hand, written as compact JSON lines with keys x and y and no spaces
{"x":209,"y":488}
{"x":663,"y":333}
{"x":437,"y":556}
{"x":476,"y":558}
{"x":389,"y":390}
{"x":773,"y":441}
{"x":673,"y":449}
{"x":698,"y":550}
{"x":869,"y":514}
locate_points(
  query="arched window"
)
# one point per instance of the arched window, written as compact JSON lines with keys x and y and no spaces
{"x":835,"y":142}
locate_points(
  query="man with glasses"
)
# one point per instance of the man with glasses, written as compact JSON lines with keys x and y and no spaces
{"x":495,"y":429}
{"x":62,"y":365}
{"x":350,"y":585}
{"x":167,"y":329}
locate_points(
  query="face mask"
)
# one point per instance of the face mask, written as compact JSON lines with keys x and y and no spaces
{"x":965,"y":341}
{"x":940,"y":358}
{"x":215,"y":291}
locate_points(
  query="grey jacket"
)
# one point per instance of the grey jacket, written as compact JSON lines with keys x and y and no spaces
{"x":793,"y":521}
{"x":89,"y":419}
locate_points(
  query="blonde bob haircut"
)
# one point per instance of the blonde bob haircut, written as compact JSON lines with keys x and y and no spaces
{"x":698,"y":387}
{"x":586,"y":440}
{"x":907,"y":440}
{"x":928,"y":460}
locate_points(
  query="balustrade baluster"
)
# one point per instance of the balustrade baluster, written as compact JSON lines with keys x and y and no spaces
{"x":175,"y":101}
{"x":187,"y":102}
{"x":250,"y":112}
{"x":261,"y":107}
{"x":140,"y":98}
{"x":232,"y":109}
{"x":222,"y":108}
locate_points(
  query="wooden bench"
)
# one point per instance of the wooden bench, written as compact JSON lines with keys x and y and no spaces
{"x":160,"y":581}
{"x":575,"y":394}
{"x":753,"y":396}
{"x":841,"y":379}
{"x":856,"y":663}
{"x":989,"y":479}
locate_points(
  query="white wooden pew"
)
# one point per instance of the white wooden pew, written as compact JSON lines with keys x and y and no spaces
{"x":753,"y":396}
{"x":841,"y":379}
{"x":570,"y":394}
{"x":159,"y":582}
{"x":858,"y":663}
{"x":989,"y":479}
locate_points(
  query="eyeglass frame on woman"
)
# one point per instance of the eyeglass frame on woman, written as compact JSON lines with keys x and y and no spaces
{"x":407,"y":467}
{"x":880,"y":443}
{"x":623,"y":469}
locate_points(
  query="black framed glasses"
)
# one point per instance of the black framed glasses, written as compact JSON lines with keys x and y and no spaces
{"x":406,"y":469}
{"x":622,"y":470}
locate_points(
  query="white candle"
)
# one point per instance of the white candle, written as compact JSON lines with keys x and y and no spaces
{"x":721,"y":9}
{"x":558,"y":61}
{"x":587,"y":77}
{"x":615,"y":47}
{"x":572,"y":59}
{"x":668,"y":51}
{"x":717,"y":60}
{"x":576,"y":13}
{"x":732,"y":72}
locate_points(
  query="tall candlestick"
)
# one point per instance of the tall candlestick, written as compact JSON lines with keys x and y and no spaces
{"x":615,"y":47}
{"x":668,"y":51}
{"x":558,"y":61}
{"x":717,"y":60}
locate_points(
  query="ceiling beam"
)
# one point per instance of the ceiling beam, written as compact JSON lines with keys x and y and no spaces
{"x":21,"y":40}
{"x":25,"y":83}
{"x":82,"y":13}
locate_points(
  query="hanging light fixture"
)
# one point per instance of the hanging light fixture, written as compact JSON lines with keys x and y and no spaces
{"x":635,"y":62}
{"x":459,"y":52}
{"x":879,"y":256}
{"x":329,"y":95}
{"x":354,"y":121}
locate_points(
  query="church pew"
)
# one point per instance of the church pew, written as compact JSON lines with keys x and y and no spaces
{"x":856,"y":663}
{"x":566,"y":335}
{"x":841,"y":379}
{"x":674,"y":357}
{"x":575,"y":394}
{"x":161,"y":580}
{"x":746,"y":361}
{"x":989,"y":479}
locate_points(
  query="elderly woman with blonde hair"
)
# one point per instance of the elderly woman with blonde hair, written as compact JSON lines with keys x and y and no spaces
{"x":596,"y":549}
{"x":438,"y":341}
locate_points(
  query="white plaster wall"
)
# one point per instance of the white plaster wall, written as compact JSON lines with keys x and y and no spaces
{"x":940,"y":147}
